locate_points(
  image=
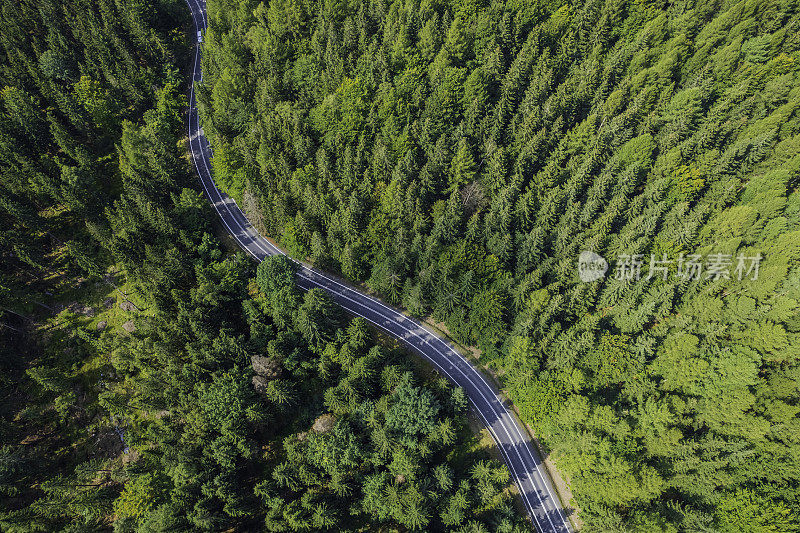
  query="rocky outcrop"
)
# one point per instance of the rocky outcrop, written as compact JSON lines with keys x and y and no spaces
{"x":260,"y":384}
{"x":324,"y":423}
{"x":267,"y":367}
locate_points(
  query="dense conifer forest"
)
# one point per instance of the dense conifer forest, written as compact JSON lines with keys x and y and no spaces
{"x":152,"y":381}
{"x":457,"y":157}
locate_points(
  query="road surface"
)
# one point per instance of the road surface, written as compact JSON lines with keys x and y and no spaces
{"x":513,"y":442}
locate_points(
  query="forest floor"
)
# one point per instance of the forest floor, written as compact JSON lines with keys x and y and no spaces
{"x":63,"y":435}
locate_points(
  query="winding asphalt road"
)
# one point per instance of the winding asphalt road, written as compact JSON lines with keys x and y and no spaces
{"x":514,"y":444}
